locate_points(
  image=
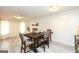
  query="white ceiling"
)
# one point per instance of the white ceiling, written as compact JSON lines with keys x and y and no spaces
{"x":31,"y":11}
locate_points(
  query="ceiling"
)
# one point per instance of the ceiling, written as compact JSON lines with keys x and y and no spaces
{"x":31,"y":11}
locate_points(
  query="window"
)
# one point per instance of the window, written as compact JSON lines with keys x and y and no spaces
{"x":22,"y":27}
{"x":4,"y":27}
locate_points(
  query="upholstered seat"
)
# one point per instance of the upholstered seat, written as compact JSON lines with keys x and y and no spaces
{"x":28,"y":42}
{"x":25,"y":42}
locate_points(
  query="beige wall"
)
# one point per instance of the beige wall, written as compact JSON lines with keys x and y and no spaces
{"x":14,"y":27}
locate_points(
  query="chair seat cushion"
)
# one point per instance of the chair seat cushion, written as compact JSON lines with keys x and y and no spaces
{"x":41,"y":40}
{"x":25,"y":38}
{"x":28,"y":42}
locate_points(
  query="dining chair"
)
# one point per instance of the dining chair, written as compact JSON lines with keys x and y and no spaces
{"x":46,"y":39}
{"x":50,"y":32}
{"x":76,"y":43}
{"x":25,"y":42}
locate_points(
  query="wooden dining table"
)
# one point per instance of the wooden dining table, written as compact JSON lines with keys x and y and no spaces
{"x":35,"y":37}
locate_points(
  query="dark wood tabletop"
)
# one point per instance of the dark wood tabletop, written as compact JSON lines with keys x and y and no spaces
{"x":34,"y":35}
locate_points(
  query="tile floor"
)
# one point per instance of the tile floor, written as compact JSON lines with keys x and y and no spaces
{"x":56,"y":48}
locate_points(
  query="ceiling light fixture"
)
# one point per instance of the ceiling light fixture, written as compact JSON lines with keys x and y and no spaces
{"x":53,"y":8}
{"x":18,"y":17}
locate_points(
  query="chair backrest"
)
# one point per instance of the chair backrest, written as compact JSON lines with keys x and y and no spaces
{"x":46,"y":34}
{"x":49,"y":31}
{"x":21,"y":37}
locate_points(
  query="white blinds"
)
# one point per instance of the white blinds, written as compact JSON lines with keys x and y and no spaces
{"x":4,"y":27}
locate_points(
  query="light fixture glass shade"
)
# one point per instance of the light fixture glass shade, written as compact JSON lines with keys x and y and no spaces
{"x":53,"y":8}
{"x":18,"y":17}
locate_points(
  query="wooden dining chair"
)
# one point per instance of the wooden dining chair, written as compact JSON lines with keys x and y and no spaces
{"x":46,"y":39}
{"x":25,"y":43}
{"x":77,"y":43}
{"x":50,"y":32}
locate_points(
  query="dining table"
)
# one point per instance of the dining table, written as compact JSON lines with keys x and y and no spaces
{"x":35,"y":37}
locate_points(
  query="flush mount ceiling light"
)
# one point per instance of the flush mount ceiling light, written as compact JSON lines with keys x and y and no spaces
{"x":53,"y":8}
{"x":18,"y":17}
